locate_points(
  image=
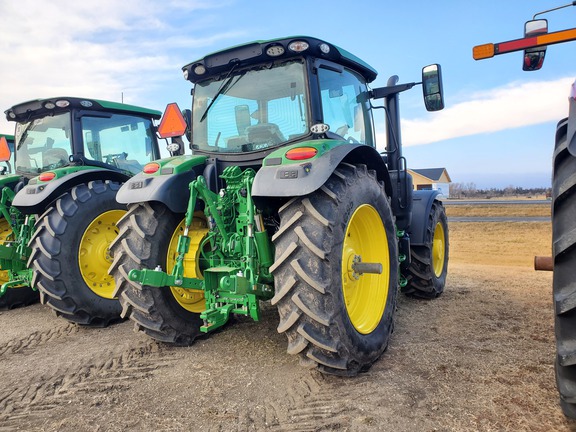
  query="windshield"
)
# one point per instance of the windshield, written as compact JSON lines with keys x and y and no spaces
{"x":252,"y":110}
{"x":119,"y":140}
{"x":43,"y":144}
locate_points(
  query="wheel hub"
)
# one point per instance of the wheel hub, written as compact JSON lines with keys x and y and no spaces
{"x":94,"y":257}
{"x":365,"y":284}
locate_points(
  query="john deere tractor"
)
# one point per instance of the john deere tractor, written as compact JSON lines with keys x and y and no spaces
{"x":59,"y":210}
{"x":563,"y":260}
{"x":284,"y":198}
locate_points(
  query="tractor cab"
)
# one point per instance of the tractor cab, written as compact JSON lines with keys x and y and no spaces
{"x":251,"y":99}
{"x":262,"y":96}
{"x":62,"y":132}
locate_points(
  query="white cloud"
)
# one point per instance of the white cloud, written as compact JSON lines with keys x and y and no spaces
{"x":514,"y":105}
{"x":98,"y":48}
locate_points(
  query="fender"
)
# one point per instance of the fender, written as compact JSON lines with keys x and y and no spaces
{"x":421,"y":204}
{"x":37,"y":195}
{"x":283,"y":178}
{"x":168,"y":185}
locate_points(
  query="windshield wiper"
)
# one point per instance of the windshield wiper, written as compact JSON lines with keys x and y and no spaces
{"x":24,"y":134}
{"x":227,"y":85}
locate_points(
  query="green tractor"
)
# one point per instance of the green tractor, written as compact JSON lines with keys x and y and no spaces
{"x":25,"y":295}
{"x":59,"y":210}
{"x":563,"y":260}
{"x":284,"y":198}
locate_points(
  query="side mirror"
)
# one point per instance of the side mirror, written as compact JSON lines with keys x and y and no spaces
{"x":432,"y":87}
{"x":187,"y":114}
{"x":534,"y":57}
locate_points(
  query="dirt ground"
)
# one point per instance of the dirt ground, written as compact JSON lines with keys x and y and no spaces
{"x":480,"y":357}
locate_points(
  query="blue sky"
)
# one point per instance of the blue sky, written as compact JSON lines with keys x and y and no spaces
{"x":498,"y":126}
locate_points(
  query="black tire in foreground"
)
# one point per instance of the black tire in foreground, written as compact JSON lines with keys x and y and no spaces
{"x":429,"y":262}
{"x":148,"y":236}
{"x":336,"y":319}
{"x":564,"y":279}
{"x":19,"y":296}
{"x":70,"y":254}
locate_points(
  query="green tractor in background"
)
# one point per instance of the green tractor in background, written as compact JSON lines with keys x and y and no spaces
{"x":284,"y":198}
{"x":563,"y":260}
{"x":25,"y":295}
{"x":59,"y":209}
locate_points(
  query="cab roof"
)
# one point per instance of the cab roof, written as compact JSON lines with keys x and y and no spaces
{"x":39,"y":107}
{"x":265,"y":51}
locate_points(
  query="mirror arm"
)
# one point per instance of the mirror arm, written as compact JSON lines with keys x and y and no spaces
{"x":553,"y":9}
{"x":382,"y":92}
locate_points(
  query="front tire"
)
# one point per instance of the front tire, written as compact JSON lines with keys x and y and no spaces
{"x":147,"y":238}
{"x":429,"y":262}
{"x":335,"y":319}
{"x":564,"y":279}
{"x":70,"y":254}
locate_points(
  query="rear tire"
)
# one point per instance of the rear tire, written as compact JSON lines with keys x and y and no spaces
{"x":336,"y":320}
{"x":70,"y":254}
{"x":564,"y":279}
{"x":429,"y":262}
{"x":146,"y":240}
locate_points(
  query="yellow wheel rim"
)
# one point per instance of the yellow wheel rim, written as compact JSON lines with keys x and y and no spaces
{"x":94,"y":254}
{"x":190,"y":300}
{"x":365,"y":295}
{"x":5,"y":232}
{"x":438,"y":250}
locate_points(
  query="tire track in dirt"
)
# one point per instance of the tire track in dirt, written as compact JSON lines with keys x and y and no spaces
{"x":37,"y":338}
{"x":312,"y":403}
{"x":28,"y":403}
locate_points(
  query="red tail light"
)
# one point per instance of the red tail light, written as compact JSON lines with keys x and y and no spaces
{"x":46,"y":176}
{"x":151,"y":168}
{"x":301,"y":153}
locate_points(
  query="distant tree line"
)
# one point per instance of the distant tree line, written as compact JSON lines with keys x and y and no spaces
{"x":469,"y":190}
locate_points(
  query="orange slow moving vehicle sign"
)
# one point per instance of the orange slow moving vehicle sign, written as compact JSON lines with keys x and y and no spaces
{"x":172,"y":123}
{"x":489,"y":50}
{"x":4,"y":150}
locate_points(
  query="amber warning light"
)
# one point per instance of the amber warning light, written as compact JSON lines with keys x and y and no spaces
{"x":172,"y":123}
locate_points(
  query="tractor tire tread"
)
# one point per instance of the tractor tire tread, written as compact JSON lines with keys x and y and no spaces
{"x":46,"y":262}
{"x":303,"y":275}
{"x":564,"y":277}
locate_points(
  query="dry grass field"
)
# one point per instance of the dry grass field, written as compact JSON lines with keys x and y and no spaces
{"x":499,"y":210}
{"x":478,"y":358}
{"x":499,"y":243}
